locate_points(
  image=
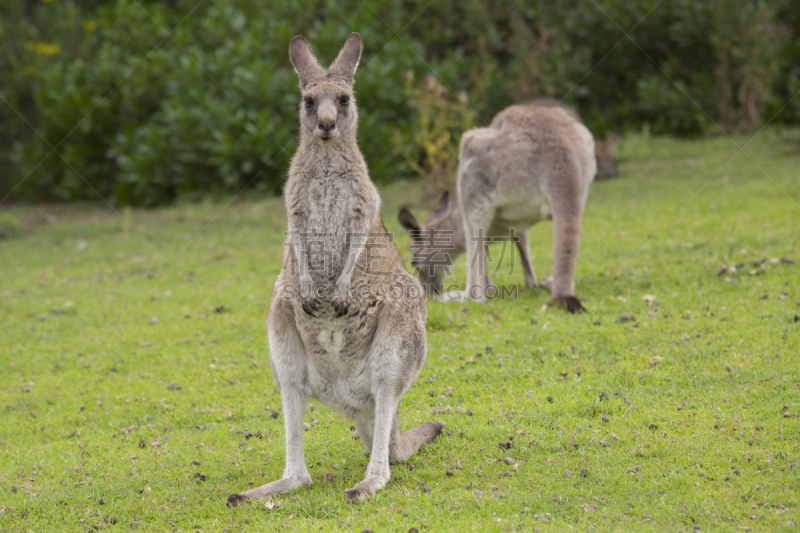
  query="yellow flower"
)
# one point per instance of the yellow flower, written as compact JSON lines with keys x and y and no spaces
{"x":48,"y":49}
{"x":89,"y":25}
{"x":43,"y":48}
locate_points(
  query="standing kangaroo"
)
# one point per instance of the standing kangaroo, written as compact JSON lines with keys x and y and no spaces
{"x":346,"y":323}
{"x":533,"y":162}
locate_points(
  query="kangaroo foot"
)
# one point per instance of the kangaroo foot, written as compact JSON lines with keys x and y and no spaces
{"x":265,"y":491}
{"x":366,"y":488}
{"x":572,"y":304}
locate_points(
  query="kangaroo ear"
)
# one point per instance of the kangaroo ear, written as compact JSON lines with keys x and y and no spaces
{"x":441,"y":207}
{"x":408,"y":221}
{"x":305,"y":64}
{"x":346,"y":62}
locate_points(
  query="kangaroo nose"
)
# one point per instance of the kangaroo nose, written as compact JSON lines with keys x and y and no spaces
{"x":327,"y":127}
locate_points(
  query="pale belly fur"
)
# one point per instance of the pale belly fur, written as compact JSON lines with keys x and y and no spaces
{"x":337,"y":365}
{"x":522,"y":214}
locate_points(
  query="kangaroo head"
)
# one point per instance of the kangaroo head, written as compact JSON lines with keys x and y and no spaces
{"x":328,"y":107}
{"x":434,"y":245}
{"x":604,"y":154}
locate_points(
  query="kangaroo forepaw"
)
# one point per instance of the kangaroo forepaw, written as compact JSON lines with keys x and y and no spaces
{"x":572,"y":304}
{"x":310,"y":305}
{"x":341,"y":305}
{"x":341,"y":299}
{"x":308,"y":297}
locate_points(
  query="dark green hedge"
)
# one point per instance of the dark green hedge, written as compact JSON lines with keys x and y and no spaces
{"x":146,"y":102}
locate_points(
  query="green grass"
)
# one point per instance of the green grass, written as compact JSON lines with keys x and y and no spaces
{"x":685,"y":416}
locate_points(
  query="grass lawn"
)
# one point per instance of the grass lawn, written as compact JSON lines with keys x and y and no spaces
{"x":136,"y":392}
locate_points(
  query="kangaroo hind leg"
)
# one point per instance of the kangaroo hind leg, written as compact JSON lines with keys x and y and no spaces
{"x":395,"y":358}
{"x":286,"y":355}
{"x":404,"y":444}
{"x":567,"y":219}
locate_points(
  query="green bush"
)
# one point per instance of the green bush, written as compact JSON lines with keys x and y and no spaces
{"x":148,"y":102}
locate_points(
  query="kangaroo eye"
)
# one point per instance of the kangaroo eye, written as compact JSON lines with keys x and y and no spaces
{"x":309,"y":102}
{"x":344,"y":100}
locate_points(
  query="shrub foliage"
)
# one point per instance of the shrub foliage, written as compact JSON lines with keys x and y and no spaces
{"x":144,"y":102}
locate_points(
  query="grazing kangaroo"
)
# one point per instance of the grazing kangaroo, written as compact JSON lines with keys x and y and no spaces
{"x":533,"y":162}
{"x":346,"y":324}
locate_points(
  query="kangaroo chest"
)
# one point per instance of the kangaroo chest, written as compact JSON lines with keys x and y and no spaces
{"x":329,"y":207}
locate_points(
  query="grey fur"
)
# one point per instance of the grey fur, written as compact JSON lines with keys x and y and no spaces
{"x":604,"y":151}
{"x":346,"y":326}
{"x":532,"y":163}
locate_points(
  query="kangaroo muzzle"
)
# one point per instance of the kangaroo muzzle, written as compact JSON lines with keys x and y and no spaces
{"x":326,"y":127}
